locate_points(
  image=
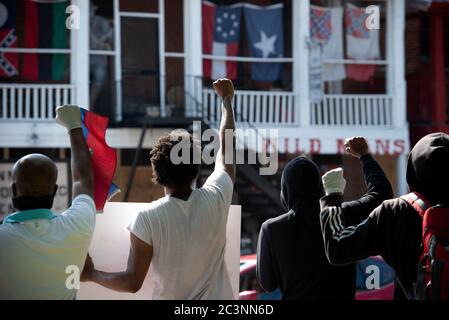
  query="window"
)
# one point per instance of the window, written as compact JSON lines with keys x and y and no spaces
{"x":348,"y":69}
{"x":37,"y":42}
{"x":102,"y":53}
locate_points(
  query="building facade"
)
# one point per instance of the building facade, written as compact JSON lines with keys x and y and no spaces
{"x":142,"y":64}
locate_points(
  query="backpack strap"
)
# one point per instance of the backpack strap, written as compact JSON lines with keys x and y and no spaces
{"x":417,"y":202}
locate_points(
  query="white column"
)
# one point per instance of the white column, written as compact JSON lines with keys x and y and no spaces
{"x":396,"y":84}
{"x":162,"y":80}
{"x":401,"y":174}
{"x":301,"y":33}
{"x":193,"y":49}
{"x":118,"y":61}
{"x":79,"y":60}
{"x":396,"y":58}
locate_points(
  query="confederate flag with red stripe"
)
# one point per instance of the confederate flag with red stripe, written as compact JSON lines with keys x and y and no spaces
{"x":221,"y":35}
{"x":9,"y":61}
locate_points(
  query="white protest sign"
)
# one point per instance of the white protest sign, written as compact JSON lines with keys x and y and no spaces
{"x":110,"y":248}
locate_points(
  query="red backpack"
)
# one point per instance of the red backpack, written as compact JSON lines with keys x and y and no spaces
{"x":433,"y":268}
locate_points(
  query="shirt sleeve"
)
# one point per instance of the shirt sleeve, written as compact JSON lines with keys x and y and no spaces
{"x":81,"y":215}
{"x":345,"y":243}
{"x":379,"y":190}
{"x":220,"y":184}
{"x":141,"y":227}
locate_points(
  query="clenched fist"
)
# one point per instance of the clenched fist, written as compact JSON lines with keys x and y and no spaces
{"x":334,"y":182}
{"x":224,"y":88}
{"x":69,"y":116}
{"x":356,"y":146}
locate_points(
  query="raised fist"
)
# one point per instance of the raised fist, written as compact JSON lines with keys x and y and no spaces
{"x":224,"y":88}
{"x":356,"y":146}
{"x":69,"y":116}
{"x":333,"y":181}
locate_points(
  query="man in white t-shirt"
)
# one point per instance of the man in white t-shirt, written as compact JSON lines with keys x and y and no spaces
{"x":181,"y":237}
{"x":42,"y":254}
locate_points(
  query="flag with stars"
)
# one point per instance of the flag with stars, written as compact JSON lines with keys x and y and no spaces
{"x":326,"y":27}
{"x":221,"y":36}
{"x":362,"y":44}
{"x":264,"y":27}
{"x":9,"y":61}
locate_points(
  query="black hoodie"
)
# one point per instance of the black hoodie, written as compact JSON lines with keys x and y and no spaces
{"x":290,"y":253}
{"x":393,"y":230}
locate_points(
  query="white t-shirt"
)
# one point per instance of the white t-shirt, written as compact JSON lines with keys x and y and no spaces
{"x":188,"y":239}
{"x":35,"y":254}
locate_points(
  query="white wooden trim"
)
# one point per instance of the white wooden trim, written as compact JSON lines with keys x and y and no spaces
{"x":102,"y":52}
{"x":118,"y":61}
{"x":301,"y":34}
{"x":247,"y":59}
{"x":79,"y":60}
{"x":175,"y":54}
{"x":353,"y":61}
{"x":162,"y":71}
{"x":37,"y":50}
{"x":147,"y":15}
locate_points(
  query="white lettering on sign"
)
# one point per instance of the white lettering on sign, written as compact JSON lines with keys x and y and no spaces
{"x":392,"y":147}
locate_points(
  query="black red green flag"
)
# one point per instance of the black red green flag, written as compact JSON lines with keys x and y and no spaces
{"x":45,"y":28}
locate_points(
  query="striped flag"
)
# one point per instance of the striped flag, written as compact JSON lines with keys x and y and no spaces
{"x":221,"y":35}
{"x":45,"y":28}
{"x":103,"y":157}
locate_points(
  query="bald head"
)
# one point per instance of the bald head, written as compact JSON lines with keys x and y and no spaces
{"x":34,"y":176}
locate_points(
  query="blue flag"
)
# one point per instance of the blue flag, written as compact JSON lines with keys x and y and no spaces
{"x":264,"y":26}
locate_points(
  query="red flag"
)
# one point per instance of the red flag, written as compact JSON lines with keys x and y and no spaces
{"x":30,"y":69}
{"x":104,"y":158}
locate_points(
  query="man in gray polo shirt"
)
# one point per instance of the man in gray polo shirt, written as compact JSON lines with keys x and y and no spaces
{"x":40,"y":250}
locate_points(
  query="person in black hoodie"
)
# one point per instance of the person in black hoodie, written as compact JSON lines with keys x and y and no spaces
{"x":393,"y":230}
{"x":290,"y":253}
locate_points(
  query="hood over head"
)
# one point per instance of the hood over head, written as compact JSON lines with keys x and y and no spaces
{"x":301,"y":184}
{"x":428,"y":168}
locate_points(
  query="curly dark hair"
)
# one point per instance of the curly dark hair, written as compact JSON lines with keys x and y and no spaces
{"x":169,"y":174}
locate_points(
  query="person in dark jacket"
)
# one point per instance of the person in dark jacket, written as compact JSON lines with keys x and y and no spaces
{"x":290,"y":253}
{"x":393,"y":230}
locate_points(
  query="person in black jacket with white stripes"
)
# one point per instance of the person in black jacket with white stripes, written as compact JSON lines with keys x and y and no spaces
{"x":394,"y":229}
{"x":290,"y":253}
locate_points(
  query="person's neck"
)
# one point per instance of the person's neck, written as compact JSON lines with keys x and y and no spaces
{"x":182,"y":193}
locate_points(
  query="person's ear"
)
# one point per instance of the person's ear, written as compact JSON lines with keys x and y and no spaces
{"x":14,"y":190}
{"x":55,"y":190}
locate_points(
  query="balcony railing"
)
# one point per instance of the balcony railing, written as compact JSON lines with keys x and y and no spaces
{"x":353,"y":110}
{"x":37,"y":102}
{"x":33,"y":102}
{"x":260,"y":108}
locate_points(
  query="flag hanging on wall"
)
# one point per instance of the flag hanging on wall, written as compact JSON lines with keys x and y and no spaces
{"x":103,"y":157}
{"x":326,"y":27}
{"x":264,"y":27}
{"x":9,"y":61}
{"x":221,"y":36}
{"x":361,"y":44}
{"x":45,"y":28}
